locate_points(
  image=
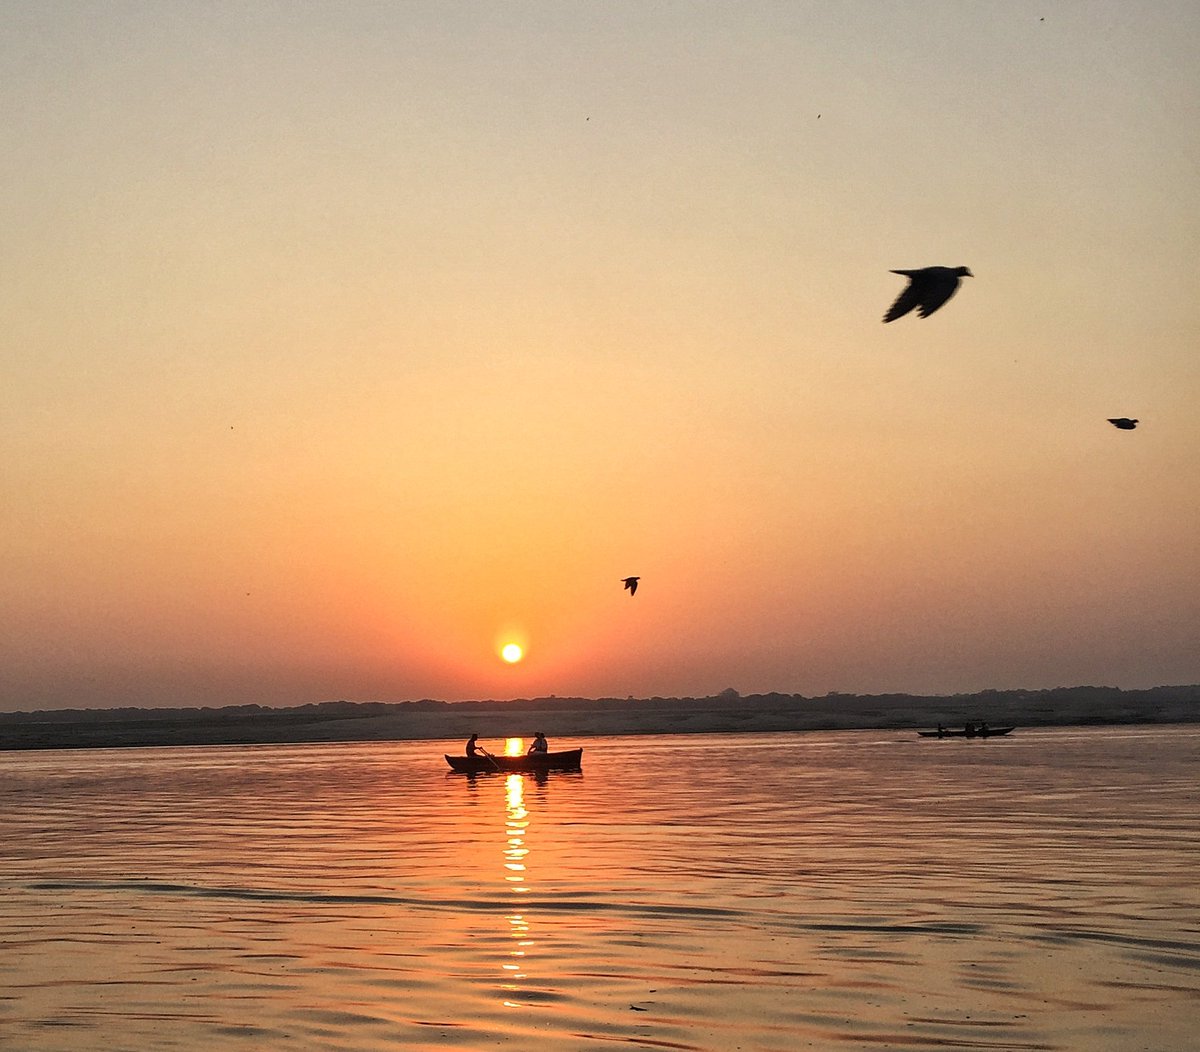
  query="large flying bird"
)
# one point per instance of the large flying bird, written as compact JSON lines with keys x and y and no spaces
{"x":1123,"y":422}
{"x":928,"y":288}
{"x":631,"y":584}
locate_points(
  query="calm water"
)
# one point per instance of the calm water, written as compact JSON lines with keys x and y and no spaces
{"x":861,"y":890}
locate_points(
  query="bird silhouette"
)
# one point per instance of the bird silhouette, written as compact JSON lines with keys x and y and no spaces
{"x":928,"y":288}
{"x":631,"y":584}
{"x":1123,"y":422}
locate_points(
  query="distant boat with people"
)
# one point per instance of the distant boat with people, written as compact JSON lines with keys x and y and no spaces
{"x":971,"y":730}
{"x":531,"y":763}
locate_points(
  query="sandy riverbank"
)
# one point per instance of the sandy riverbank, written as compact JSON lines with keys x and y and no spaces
{"x":568,"y":718}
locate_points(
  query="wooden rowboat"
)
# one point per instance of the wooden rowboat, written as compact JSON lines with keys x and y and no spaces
{"x":976,"y":732}
{"x":570,"y":760}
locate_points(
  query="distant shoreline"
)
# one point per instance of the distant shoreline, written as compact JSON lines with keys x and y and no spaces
{"x":569,"y":718}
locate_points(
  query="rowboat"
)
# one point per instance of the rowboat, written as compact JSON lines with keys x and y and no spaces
{"x":570,"y":760}
{"x":974,"y":732}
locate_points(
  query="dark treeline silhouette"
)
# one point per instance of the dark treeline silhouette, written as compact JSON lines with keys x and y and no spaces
{"x":581,"y":717}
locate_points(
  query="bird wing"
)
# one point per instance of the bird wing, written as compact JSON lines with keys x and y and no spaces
{"x":633,"y":587}
{"x":936,"y":290}
{"x":911,"y":297}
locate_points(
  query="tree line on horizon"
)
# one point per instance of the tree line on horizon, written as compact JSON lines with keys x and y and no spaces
{"x":728,"y":698}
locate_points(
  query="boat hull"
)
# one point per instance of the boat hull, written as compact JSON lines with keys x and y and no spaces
{"x":990,"y":732}
{"x":568,"y":760}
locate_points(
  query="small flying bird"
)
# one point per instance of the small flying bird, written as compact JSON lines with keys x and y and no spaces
{"x":1123,"y":422}
{"x":928,"y":288}
{"x":631,"y":584}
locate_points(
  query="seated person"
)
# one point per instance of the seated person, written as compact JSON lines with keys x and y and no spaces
{"x":540,"y":745}
{"x":472,"y":748}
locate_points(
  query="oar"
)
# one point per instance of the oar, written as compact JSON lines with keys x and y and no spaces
{"x":491,"y":758}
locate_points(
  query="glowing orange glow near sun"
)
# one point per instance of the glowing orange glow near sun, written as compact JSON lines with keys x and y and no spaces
{"x":512,"y":653}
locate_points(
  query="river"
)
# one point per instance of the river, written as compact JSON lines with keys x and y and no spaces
{"x":765,"y":892}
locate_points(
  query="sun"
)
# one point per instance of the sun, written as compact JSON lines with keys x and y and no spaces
{"x":512,"y":653}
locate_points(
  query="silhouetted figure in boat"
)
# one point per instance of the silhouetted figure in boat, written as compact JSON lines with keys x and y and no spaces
{"x":478,"y":752}
{"x":1123,"y":422}
{"x":928,"y":288}
{"x":941,"y":731}
{"x":631,"y":584}
{"x":539,"y":746}
{"x":969,"y":730}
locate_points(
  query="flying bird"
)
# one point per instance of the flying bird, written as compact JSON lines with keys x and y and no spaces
{"x":1123,"y":422}
{"x":631,"y":584}
{"x":928,"y":288}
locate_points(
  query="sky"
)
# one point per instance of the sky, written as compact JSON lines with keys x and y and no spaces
{"x":345,"y":343}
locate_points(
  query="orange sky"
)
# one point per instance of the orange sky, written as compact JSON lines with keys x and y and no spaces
{"x":344,"y":345}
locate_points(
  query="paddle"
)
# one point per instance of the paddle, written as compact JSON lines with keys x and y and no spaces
{"x":491,"y":758}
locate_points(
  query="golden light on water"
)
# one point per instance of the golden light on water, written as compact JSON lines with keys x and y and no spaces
{"x":516,"y":825}
{"x":514,"y":747}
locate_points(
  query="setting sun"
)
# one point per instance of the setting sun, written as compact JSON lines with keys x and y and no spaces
{"x":512,"y":653}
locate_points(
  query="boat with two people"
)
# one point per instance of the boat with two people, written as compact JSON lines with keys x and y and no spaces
{"x":971,"y":730}
{"x":538,"y":760}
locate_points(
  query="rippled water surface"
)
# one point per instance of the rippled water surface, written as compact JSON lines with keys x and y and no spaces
{"x":858,"y":890}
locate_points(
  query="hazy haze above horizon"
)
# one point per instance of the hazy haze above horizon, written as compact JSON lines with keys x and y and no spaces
{"x":344,"y":344}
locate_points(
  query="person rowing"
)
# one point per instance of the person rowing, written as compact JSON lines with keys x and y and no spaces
{"x":474,"y":751}
{"x":539,"y":747}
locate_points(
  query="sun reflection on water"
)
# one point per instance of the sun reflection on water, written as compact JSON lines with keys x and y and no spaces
{"x":516,"y":826}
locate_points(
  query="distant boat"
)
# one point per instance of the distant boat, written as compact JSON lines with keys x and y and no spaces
{"x":570,"y":760}
{"x":967,"y":732}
